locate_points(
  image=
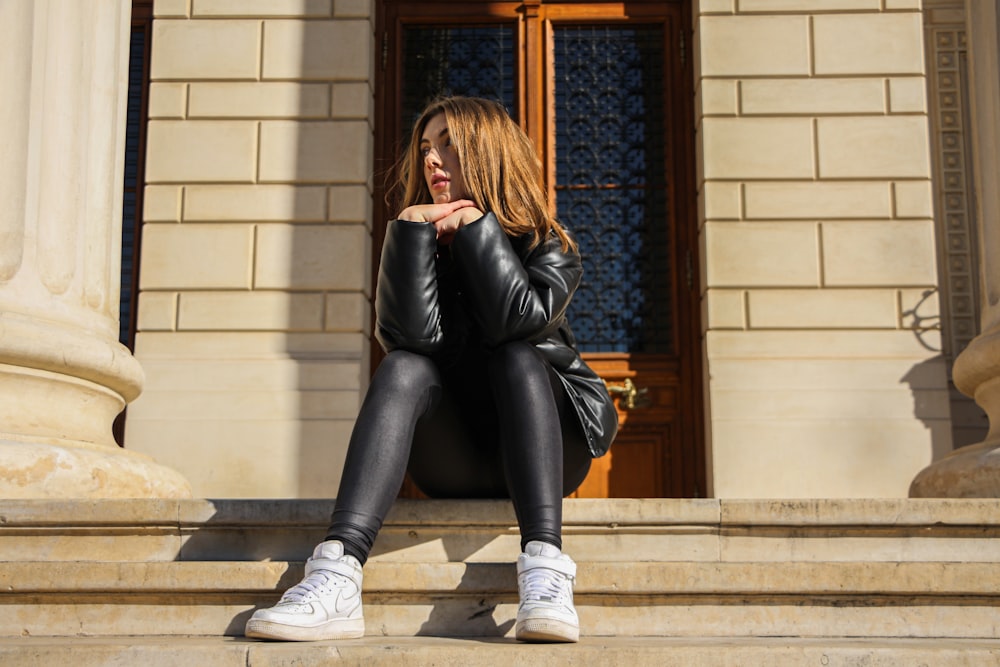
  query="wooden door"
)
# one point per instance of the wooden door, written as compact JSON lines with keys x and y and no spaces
{"x":604,"y":91}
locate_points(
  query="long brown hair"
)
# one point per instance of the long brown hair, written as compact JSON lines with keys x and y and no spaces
{"x":501,"y":170}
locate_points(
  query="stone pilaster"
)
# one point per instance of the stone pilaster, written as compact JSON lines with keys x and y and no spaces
{"x":63,"y":375}
{"x":974,"y":471}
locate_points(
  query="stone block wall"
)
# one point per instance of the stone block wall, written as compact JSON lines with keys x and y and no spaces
{"x":254,"y":300}
{"x":823,"y":366}
{"x":820,"y":306}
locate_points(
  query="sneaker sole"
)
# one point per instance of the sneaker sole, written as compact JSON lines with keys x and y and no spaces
{"x":546,"y":630}
{"x":337,"y":629}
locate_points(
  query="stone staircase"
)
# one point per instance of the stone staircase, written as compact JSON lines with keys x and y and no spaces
{"x":660,"y":582}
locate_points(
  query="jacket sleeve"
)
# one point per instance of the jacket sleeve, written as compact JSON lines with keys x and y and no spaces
{"x":407,"y":312}
{"x":511,"y":298}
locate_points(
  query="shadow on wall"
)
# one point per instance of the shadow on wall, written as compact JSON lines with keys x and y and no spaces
{"x":324,"y":249}
{"x":928,"y":386}
{"x":928,"y":379}
{"x":953,"y":419}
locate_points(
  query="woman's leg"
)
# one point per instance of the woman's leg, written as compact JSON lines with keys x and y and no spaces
{"x":534,"y":420}
{"x":532,"y":407}
{"x":455,"y":452}
{"x":456,"y":447}
{"x":327,"y":604}
{"x":405,"y":387}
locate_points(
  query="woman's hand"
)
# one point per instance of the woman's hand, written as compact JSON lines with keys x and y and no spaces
{"x":448,"y":225}
{"x":432,"y":212}
{"x":447,"y":218}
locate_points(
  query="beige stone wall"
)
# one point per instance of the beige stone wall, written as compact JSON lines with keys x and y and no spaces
{"x":255,"y":271}
{"x":824,"y":374}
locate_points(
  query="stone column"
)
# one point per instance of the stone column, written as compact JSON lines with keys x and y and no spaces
{"x":974,"y":471}
{"x":63,"y":374}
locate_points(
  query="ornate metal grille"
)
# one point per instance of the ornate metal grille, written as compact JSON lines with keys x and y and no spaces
{"x":611,"y":183}
{"x":130,"y":232}
{"x":457,"y":60}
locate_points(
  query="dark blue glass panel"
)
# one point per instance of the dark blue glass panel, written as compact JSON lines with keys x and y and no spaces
{"x":611,"y":183}
{"x":477,"y":61}
{"x":133,"y":128}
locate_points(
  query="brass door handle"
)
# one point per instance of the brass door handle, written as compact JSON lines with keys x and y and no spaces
{"x":631,"y":396}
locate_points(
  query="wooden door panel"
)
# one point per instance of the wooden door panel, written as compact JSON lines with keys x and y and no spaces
{"x":641,"y":461}
{"x":634,"y":468}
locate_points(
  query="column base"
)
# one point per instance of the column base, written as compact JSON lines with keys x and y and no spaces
{"x":36,"y":470}
{"x":972,"y":471}
{"x":60,"y":389}
{"x":969,"y":472}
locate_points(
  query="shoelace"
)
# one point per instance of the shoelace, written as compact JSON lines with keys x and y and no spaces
{"x":310,"y":587}
{"x":542,"y":584}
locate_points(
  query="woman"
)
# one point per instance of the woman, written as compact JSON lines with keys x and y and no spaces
{"x":482,"y":393}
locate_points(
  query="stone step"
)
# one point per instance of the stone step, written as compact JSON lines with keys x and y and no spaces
{"x":897,"y":530}
{"x":639,"y":578}
{"x":472,"y":652}
{"x":683,"y":568}
{"x":807,"y":599}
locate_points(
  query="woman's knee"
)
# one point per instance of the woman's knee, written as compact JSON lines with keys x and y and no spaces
{"x":403,"y":374}
{"x":402,"y":367}
{"x":518,"y":360}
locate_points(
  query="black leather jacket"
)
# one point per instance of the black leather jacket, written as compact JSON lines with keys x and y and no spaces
{"x":489,"y":289}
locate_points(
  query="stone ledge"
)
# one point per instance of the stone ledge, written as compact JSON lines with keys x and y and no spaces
{"x":485,"y":531}
{"x":651,"y":599}
{"x":454,"y":652}
{"x":595,"y":579}
{"x":889,"y":513}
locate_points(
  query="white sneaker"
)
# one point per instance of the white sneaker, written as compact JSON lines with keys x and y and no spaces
{"x":325,"y":605}
{"x":545,"y":579}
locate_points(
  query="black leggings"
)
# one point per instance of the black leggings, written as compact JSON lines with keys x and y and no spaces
{"x":489,"y":427}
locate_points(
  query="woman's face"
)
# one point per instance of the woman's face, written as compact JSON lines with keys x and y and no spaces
{"x":442,"y":170}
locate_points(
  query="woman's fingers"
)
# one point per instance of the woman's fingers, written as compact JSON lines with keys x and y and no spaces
{"x":448,"y":225}
{"x":433,"y":212}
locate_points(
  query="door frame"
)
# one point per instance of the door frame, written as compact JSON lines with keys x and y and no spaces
{"x":533,"y":17}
